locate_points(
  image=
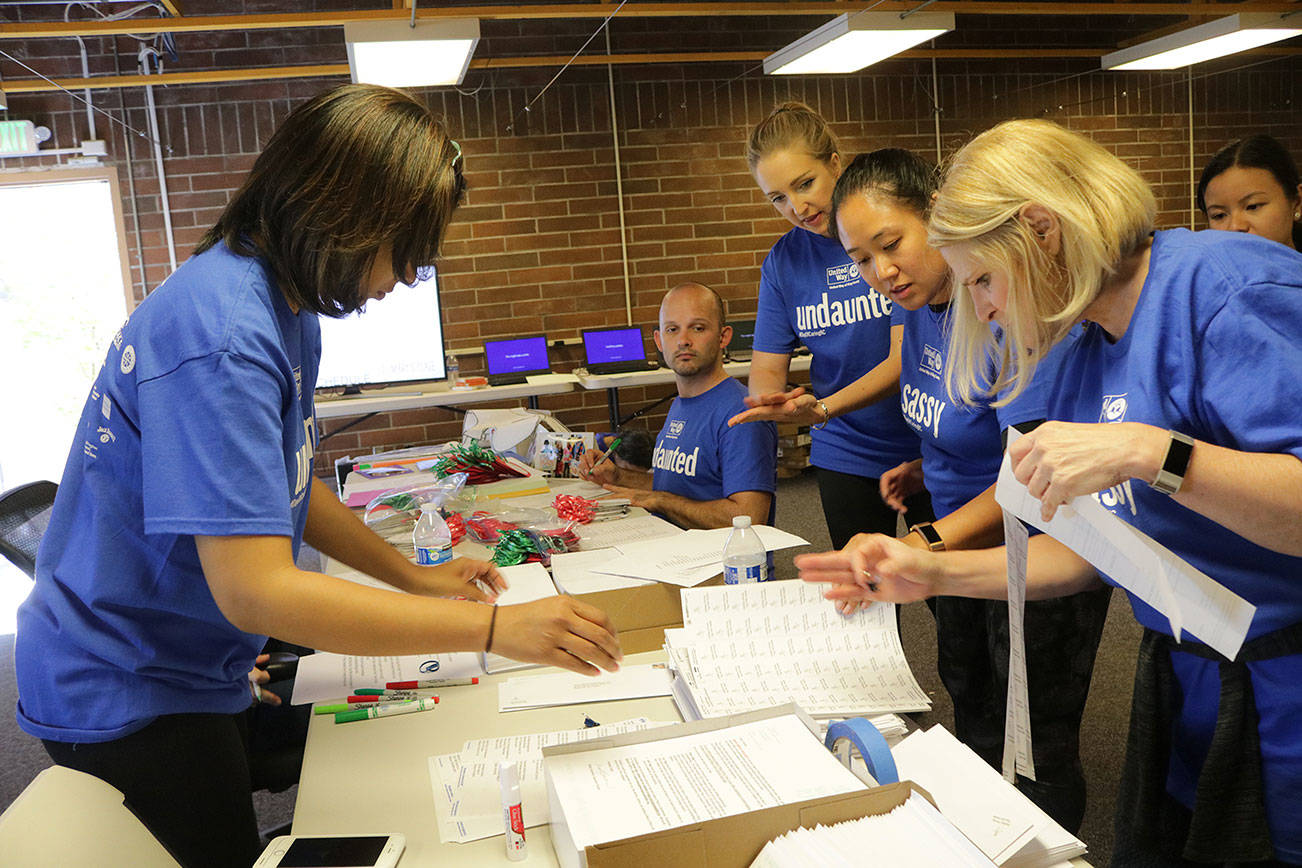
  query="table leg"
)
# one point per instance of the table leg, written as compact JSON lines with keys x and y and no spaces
{"x":612,"y":401}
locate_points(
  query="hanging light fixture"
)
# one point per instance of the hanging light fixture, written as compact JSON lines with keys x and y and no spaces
{"x":402,"y":54}
{"x":1228,"y":35}
{"x":854,"y":40}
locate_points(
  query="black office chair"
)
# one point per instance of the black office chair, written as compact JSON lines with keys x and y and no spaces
{"x":24,"y":515}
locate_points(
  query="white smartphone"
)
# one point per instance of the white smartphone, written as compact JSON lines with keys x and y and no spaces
{"x":332,"y":851}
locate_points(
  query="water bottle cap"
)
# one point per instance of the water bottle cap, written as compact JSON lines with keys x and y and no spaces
{"x":741,"y":521}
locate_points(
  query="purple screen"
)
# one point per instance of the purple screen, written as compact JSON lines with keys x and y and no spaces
{"x":513,"y":357}
{"x":616,"y":345}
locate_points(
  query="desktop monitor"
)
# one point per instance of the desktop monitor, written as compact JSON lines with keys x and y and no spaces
{"x":392,"y":340}
{"x":743,"y":339}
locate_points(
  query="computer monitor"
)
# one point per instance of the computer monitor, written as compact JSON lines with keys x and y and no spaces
{"x":515,"y":359}
{"x":623,"y":347}
{"x":392,"y":340}
{"x":743,"y":340}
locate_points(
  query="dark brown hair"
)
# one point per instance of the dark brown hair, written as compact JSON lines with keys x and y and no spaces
{"x":350,"y":171}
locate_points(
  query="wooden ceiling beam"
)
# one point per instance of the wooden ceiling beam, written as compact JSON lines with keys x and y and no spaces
{"x":227,"y":76}
{"x":185,"y":24}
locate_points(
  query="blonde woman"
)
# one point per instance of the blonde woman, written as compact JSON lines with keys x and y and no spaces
{"x":811,"y":293}
{"x":1178,"y":405}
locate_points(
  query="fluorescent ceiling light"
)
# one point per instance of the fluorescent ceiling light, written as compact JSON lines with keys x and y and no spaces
{"x":396,"y":54}
{"x":854,"y":40}
{"x":1228,"y":35}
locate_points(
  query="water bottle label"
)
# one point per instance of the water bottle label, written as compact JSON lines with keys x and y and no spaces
{"x":428,"y":556}
{"x":743,"y":575}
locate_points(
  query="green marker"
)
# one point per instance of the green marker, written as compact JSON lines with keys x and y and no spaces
{"x":387,"y":710}
{"x":338,"y":707}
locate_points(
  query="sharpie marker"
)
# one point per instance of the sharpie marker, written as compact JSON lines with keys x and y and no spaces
{"x":433,"y":682}
{"x":382,"y":691}
{"x":389,"y":696}
{"x":387,"y":710}
{"x":339,"y":707}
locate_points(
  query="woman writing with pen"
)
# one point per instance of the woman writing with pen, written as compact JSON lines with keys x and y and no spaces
{"x":170,"y":551}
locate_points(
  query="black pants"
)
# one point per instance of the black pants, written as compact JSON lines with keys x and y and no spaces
{"x":186,"y":776}
{"x":853,"y":504}
{"x":1062,"y":638}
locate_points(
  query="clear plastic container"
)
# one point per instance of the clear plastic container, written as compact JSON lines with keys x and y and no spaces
{"x":744,"y":557}
{"x":431,"y":537}
{"x":454,"y":369}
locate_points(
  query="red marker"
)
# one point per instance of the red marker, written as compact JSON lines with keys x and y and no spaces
{"x":435,"y":682}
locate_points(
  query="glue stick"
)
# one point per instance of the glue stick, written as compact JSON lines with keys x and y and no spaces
{"x":512,"y":815}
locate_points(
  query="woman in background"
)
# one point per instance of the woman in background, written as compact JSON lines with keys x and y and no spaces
{"x":811,"y":294}
{"x":1178,"y":402}
{"x":1252,"y":186}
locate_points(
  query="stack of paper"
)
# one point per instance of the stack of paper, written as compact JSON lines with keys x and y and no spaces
{"x":1007,"y":826}
{"x":694,"y":556}
{"x":528,"y":582}
{"x":610,"y":792}
{"x":325,"y":676}
{"x":913,"y":834}
{"x":625,"y":531}
{"x":467,"y":798}
{"x":571,"y":688}
{"x":747,"y":647}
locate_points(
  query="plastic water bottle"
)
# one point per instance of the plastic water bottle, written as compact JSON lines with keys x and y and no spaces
{"x":431,"y":537}
{"x":454,"y":370}
{"x":744,"y":557}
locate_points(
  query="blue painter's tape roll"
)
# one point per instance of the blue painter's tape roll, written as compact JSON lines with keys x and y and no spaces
{"x":871,"y":744}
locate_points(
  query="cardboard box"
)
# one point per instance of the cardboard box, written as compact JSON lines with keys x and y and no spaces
{"x":727,"y":842}
{"x":641,"y":614}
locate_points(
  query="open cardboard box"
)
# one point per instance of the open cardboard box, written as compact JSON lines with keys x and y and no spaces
{"x":727,"y":842}
{"x":641,"y":614}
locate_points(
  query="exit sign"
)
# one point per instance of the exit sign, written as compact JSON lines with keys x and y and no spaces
{"x":17,"y":137}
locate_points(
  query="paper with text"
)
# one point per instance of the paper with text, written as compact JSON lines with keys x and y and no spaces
{"x":690,"y":558}
{"x":1191,"y":599}
{"x":575,"y":573}
{"x":625,"y":531}
{"x":571,"y":688}
{"x":323,"y":676}
{"x":1018,"y":755}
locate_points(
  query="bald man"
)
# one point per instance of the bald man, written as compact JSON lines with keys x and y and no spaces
{"x":703,"y":472}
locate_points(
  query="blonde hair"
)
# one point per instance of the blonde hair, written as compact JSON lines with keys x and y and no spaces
{"x":1105,"y":212}
{"x":789,"y":125}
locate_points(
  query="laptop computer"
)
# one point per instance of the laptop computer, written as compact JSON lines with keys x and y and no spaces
{"x":743,"y":338}
{"x":615,"y":351}
{"x":513,"y":360}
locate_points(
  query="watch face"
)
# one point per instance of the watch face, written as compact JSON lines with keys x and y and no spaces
{"x":928,"y":533}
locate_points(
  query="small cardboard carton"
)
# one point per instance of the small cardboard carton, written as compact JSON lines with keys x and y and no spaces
{"x":641,"y":614}
{"x":726,"y":842}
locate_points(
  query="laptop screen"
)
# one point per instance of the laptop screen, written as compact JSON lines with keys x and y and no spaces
{"x":743,"y":336}
{"x":517,"y":356}
{"x":613,"y":345}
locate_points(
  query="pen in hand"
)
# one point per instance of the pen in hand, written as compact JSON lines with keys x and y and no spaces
{"x":606,"y":455}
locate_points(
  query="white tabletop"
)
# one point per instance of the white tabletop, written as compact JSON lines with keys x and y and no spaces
{"x":740,"y":370}
{"x":397,"y":398}
{"x":373,"y":776}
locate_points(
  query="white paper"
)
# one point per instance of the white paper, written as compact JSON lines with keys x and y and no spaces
{"x":571,"y":688}
{"x":994,"y":814}
{"x":324,"y":676}
{"x":748,"y":647}
{"x":528,"y":582}
{"x":625,"y":531}
{"x":467,"y":796}
{"x":1019,"y":758}
{"x":690,"y":558}
{"x":629,"y":790}
{"x":574,"y":573}
{"x":1162,"y":579}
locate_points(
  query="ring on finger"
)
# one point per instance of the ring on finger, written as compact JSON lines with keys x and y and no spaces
{"x":872,"y":581}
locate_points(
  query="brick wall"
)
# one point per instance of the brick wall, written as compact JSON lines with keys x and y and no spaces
{"x":537,"y":246}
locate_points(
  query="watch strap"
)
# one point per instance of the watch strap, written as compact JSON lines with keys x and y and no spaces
{"x":1174,"y":464}
{"x":929,"y":535}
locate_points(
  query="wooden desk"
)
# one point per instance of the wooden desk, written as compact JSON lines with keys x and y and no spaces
{"x":399,"y":399}
{"x":373,"y":776}
{"x":612,"y":383}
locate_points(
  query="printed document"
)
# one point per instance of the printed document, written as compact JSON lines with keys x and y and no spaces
{"x":690,"y":558}
{"x":573,"y":688}
{"x":323,"y":676}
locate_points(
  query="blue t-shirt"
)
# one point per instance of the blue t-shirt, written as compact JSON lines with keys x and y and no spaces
{"x":1213,"y":350}
{"x":811,"y":294}
{"x":698,"y":456}
{"x":961,"y":443}
{"x":199,"y":422}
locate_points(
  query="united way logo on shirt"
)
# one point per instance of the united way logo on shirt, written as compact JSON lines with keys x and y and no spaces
{"x":1118,"y":496}
{"x":842,"y":276}
{"x":932,"y":363}
{"x":676,"y":427}
{"x":1114,"y":408}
